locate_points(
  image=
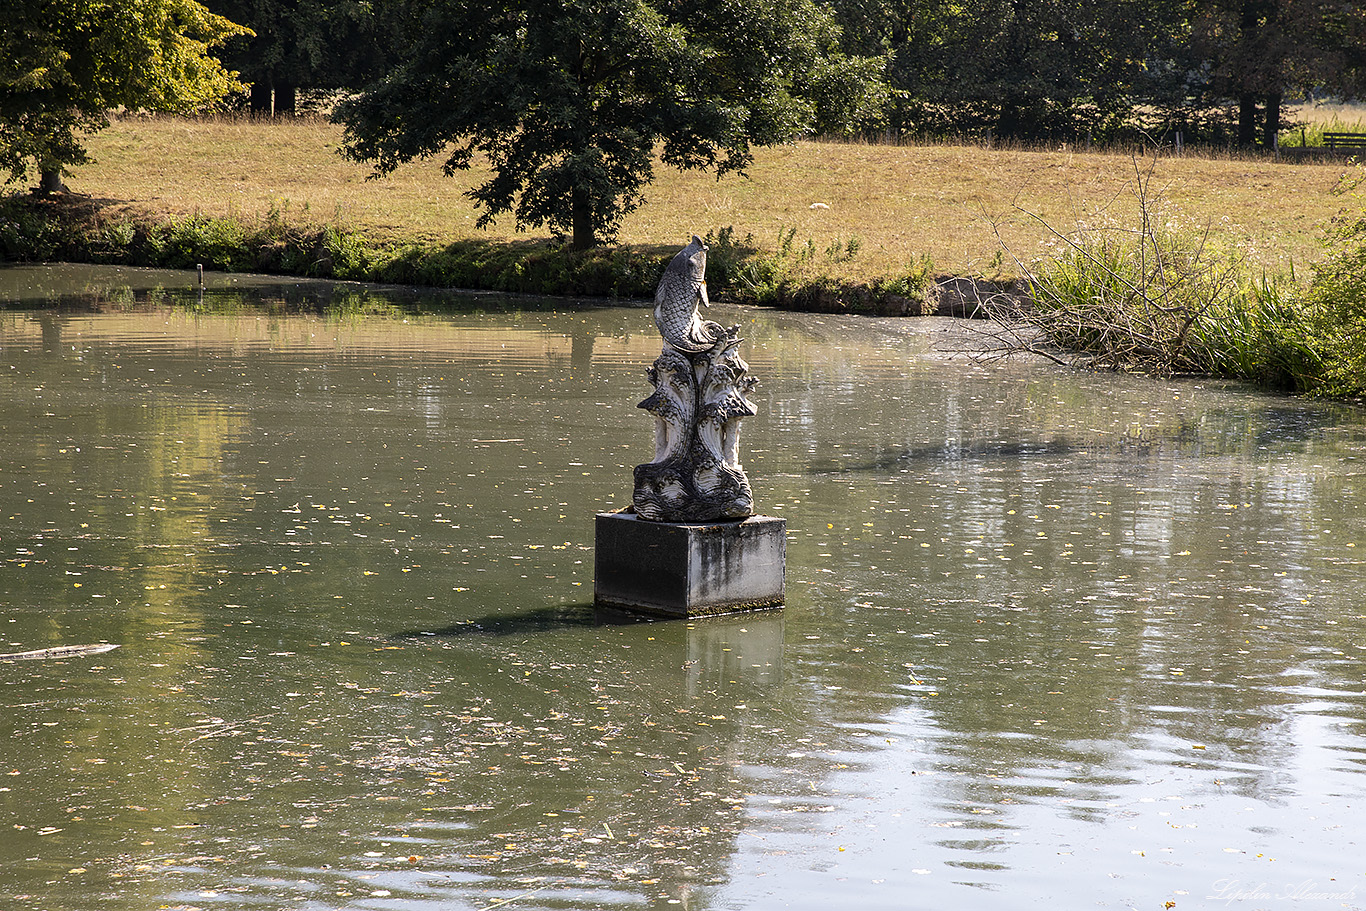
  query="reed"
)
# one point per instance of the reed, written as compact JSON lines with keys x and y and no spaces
{"x":1154,"y":296}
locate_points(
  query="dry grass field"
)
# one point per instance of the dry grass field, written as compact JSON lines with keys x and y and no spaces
{"x":1334,"y":115}
{"x":953,"y":203}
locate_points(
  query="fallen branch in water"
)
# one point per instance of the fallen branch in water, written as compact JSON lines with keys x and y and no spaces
{"x":60,"y":651}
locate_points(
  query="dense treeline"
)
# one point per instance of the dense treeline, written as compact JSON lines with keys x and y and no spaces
{"x":1219,"y":71}
{"x":1214,"y":70}
{"x":308,"y":44}
{"x":570,"y":100}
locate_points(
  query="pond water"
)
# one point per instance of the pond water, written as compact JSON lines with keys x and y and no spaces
{"x":1052,"y":639}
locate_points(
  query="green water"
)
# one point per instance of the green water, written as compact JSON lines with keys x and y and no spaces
{"x":1053,"y":639}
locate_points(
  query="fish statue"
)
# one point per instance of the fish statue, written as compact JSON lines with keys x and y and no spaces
{"x":685,"y":284}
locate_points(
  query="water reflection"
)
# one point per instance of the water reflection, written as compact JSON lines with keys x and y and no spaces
{"x":1048,"y":634}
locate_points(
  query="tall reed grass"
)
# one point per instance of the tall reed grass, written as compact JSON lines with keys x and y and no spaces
{"x":1335,"y":300}
{"x":1154,"y":296}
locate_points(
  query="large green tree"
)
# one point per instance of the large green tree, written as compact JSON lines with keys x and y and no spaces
{"x":568,"y":101}
{"x":1254,"y":53}
{"x":318,"y":44}
{"x":1020,"y":69}
{"x":65,"y":63}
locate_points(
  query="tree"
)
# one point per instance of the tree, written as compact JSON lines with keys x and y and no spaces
{"x":568,"y":100}
{"x":1024,"y":69}
{"x":65,"y":63}
{"x":319,"y":44}
{"x":1258,"y":51}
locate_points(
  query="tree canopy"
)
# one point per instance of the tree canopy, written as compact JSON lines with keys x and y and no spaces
{"x":569,"y":100}
{"x":1256,"y":52}
{"x":65,"y":63}
{"x":317,"y":44}
{"x":1064,"y":69}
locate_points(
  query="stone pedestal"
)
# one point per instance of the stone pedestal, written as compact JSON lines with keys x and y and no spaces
{"x":678,"y":569}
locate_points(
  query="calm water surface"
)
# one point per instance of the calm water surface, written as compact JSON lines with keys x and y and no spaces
{"x":1053,"y":639}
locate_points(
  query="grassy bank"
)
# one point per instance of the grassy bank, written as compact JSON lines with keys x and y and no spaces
{"x":1172,"y":264}
{"x":879,"y":211}
{"x":1159,"y":297}
{"x":71,"y":229}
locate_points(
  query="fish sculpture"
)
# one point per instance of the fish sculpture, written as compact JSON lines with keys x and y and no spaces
{"x":685,"y":284}
{"x":701,"y":384}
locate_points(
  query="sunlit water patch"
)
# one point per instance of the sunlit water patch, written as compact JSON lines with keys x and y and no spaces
{"x":1053,"y":639}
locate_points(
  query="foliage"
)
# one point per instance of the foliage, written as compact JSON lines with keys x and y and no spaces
{"x":1154,"y":296}
{"x":64,"y":63}
{"x":1107,"y":70}
{"x":216,"y":243}
{"x":1033,"y":70}
{"x":1336,"y":303}
{"x":849,"y":96}
{"x":319,"y":44}
{"x":1254,"y":53}
{"x":37,"y":229}
{"x":568,"y":100}
{"x":794,"y":276}
{"x":1163,"y":300}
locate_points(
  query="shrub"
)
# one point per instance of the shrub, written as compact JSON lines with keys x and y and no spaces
{"x":217,"y":243}
{"x":1156,"y":296}
{"x":346,"y":254}
{"x":29,"y":236}
{"x":1335,"y":306}
{"x":913,"y":283}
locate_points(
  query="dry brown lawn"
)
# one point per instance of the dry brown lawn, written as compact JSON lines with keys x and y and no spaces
{"x":1334,"y":115}
{"x":955,"y":203}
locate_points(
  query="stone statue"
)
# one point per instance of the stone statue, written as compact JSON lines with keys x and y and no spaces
{"x":683,"y":285}
{"x":700,"y":387}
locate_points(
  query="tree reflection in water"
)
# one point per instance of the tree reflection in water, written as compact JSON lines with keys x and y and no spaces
{"x":1047,"y":633}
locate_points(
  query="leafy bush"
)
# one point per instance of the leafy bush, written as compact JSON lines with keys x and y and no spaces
{"x":29,"y":236}
{"x":915,"y":282}
{"x":1155,"y":296}
{"x":1335,"y":306}
{"x":345,"y":254}
{"x":217,"y":243}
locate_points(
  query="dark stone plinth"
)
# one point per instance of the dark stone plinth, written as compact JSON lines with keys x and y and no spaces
{"x":680,"y":569}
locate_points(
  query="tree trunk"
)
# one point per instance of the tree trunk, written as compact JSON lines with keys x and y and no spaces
{"x":286,"y":99}
{"x":1008,"y":121}
{"x":50,"y":179}
{"x":1251,"y":48}
{"x":259,"y":102}
{"x":582,"y":215}
{"x":1247,"y":119}
{"x":1273,"y":120}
